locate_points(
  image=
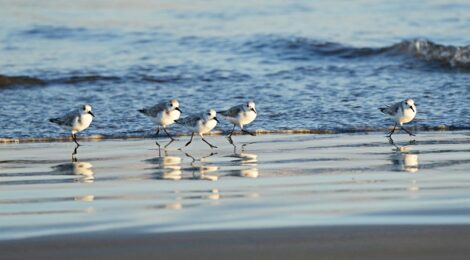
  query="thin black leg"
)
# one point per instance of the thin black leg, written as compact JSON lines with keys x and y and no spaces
{"x":248,"y":132}
{"x":410,"y":133}
{"x":212,"y":146}
{"x":393,"y":130}
{"x":74,"y":137}
{"x":230,"y":140}
{"x":172,"y":139}
{"x":230,"y":135}
{"x":190,"y":140}
{"x":75,"y":150}
{"x":156,"y":133}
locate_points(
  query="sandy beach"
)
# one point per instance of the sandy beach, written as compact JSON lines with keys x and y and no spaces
{"x":334,"y":196}
{"x":347,"y":242}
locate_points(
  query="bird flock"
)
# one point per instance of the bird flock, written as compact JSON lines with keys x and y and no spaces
{"x":167,"y":113}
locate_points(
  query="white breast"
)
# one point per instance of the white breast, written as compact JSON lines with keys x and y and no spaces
{"x":407,"y":116}
{"x":247,"y":117}
{"x":205,"y":127}
{"x":81,"y":123}
{"x":167,"y":118}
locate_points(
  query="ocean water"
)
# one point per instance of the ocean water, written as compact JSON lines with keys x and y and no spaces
{"x":318,"y":65}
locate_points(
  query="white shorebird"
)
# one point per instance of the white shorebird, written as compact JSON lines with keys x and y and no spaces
{"x":200,"y":124}
{"x":402,"y":112}
{"x":163,"y":114}
{"x":239,"y":116}
{"x":75,"y":121}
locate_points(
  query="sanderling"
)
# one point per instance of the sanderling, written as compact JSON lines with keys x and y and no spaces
{"x":200,"y":124}
{"x":163,"y":114}
{"x":75,"y":121}
{"x":239,"y":116}
{"x":402,"y":112}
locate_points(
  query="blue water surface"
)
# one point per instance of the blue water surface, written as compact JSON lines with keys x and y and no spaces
{"x":320,"y":65}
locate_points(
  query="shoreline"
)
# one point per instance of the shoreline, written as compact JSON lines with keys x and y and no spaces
{"x":275,"y":196}
{"x":97,"y":137}
{"x":321,"y":242}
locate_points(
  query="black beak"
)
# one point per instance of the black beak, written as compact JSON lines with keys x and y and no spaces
{"x":177,"y":108}
{"x":91,"y":113}
{"x":412,"y":108}
{"x":217,"y":120}
{"x":254,"y":110}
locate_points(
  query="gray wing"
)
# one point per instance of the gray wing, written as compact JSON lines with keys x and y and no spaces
{"x":391,"y":110}
{"x":189,"y":121}
{"x":232,"y":112}
{"x":153,"y":110}
{"x":66,"y":119}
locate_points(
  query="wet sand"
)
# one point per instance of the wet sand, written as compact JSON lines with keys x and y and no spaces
{"x":341,"y":242}
{"x":352,"y":196}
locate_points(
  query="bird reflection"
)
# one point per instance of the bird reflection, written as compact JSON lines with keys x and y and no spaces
{"x":82,"y":170}
{"x":242,"y":147}
{"x":165,"y":146}
{"x":247,"y":163}
{"x":200,"y":171}
{"x":404,"y":159}
{"x":169,"y":167}
{"x":85,"y":198}
{"x":74,"y":153}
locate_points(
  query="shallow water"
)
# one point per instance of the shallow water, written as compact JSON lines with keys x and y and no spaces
{"x":308,"y":64}
{"x":275,"y":181}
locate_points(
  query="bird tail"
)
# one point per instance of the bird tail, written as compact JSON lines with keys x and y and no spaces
{"x":54,"y":120}
{"x":143,"y":110}
{"x":382,"y":109}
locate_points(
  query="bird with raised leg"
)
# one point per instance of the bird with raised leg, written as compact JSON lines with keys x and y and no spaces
{"x":402,"y":112}
{"x":239,"y":116}
{"x":75,"y":121}
{"x":163,"y":114}
{"x":200,"y":124}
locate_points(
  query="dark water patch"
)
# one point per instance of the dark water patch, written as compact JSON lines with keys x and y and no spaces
{"x":155,"y":75}
{"x":84,"y":79}
{"x":299,"y":48}
{"x":12,"y":81}
{"x":50,"y":32}
{"x":9,"y":81}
